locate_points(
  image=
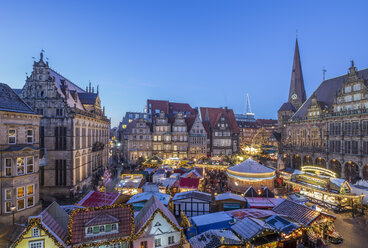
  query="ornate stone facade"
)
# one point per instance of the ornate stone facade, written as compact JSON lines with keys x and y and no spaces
{"x":19,"y":158}
{"x":197,"y":138}
{"x":331,"y":128}
{"x":74,"y":131}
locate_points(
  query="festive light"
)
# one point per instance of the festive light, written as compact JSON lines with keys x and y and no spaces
{"x":320,"y":170}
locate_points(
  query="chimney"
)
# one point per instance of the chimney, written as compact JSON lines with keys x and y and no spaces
{"x":93,"y":89}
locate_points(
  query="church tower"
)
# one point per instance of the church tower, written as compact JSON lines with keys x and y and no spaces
{"x":297,"y":94}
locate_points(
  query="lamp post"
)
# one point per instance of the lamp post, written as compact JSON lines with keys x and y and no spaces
{"x":12,"y":209}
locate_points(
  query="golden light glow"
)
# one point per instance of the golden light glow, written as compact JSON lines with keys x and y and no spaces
{"x":319,"y":170}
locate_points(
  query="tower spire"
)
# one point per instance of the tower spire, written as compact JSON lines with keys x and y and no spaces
{"x":297,"y":94}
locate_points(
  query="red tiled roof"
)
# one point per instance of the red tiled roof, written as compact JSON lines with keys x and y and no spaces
{"x":251,"y":212}
{"x":169,"y":107}
{"x":151,"y":206}
{"x":214,"y":114}
{"x":98,"y":199}
{"x":189,"y":183}
{"x":80,"y":218}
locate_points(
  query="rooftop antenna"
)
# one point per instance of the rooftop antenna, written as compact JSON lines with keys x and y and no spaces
{"x":324,"y":73}
{"x":296,"y":33}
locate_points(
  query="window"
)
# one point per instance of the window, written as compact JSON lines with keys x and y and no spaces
{"x":60,"y":138}
{"x":157,"y":242}
{"x":8,"y":194}
{"x":12,"y":134}
{"x":356,"y":87}
{"x":171,"y":240}
{"x":29,"y":136}
{"x":30,"y":167}
{"x":347,"y":89}
{"x":348,"y":98}
{"x":20,"y":197}
{"x":8,"y":167}
{"x":89,"y":230}
{"x":114,"y":227}
{"x":59,"y":112}
{"x":144,"y":244}
{"x":102,"y":228}
{"x":36,"y":244}
{"x":20,"y":166}
{"x":35,"y":232}
{"x":357,"y":97}
{"x":60,"y":172}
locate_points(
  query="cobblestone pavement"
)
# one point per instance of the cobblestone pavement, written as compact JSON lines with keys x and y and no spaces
{"x":353,"y":230}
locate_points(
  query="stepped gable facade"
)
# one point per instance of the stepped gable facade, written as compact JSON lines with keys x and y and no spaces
{"x":74,"y":131}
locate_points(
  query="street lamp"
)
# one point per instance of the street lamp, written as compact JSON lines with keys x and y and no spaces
{"x":12,"y":209}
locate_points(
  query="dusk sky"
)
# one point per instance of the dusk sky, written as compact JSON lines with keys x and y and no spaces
{"x":205,"y":53}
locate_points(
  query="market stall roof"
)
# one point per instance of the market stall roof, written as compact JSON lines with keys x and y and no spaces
{"x":251,"y":212}
{"x":229,"y":196}
{"x":98,"y":199}
{"x":249,"y":228}
{"x":250,"y":166}
{"x":263,"y":202}
{"x":281,"y":224}
{"x":145,"y":196}
{"x":189,"y":183}
{"x":215,"y":238}
{"x":296,"y":212}
{"x":193,"y":194}
{"x":210,"y":219}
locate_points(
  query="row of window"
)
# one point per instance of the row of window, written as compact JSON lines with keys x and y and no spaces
{"x":12,"y":136}
{"x":158,"y":243}
{"x":24,"y":165}
{"x":102,"y":229}
{"x":225,"y":133}
{"x":349,"y":147}
{"x":168,"y":138}
{"x":348,"y":128}
{"x":24,"y":197}
{"x":168,"y":147}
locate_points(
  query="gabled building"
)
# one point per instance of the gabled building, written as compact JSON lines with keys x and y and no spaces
{"x":74,"y":131}
{"x":222,"y":131}
{"x":156,"y":226}
{"x":49,"y":229}
{"x":19,"y":158}
{"x":96,"y":227}
{"x":137,"y":141}
{"x":197,"y":138}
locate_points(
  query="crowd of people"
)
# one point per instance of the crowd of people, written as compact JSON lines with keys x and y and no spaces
{"x":215,"y":180}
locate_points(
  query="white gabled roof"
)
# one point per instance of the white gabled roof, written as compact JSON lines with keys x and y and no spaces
{"x":229,"y":195}
{"x":250,"y":166}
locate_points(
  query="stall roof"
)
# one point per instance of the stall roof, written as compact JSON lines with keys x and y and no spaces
{"x":215,"y":238}
{"x":208,"y":219}
{"x":189,"y":183}
{"x":263,"y":202}
{"x":249,"y":228}
{"x":281,"y":224}
{"x":229,"y":196}
{"x":251,"y":212}
{"x":193,"y":194}
{"x":98,"y":199}
{"x":145,"y":196}
{"x":296,"y":212}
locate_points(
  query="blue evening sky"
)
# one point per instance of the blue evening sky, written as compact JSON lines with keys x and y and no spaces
{"x":206,"y":53}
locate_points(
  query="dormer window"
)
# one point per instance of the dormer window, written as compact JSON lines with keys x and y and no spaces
{"x":101,"y":229}
{"x":35,"y":232}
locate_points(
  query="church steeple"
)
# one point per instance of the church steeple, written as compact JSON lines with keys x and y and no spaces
{"x":297,"y":94}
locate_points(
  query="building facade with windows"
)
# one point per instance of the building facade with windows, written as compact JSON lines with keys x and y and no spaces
{"x":137,"y":141}
{"x":197,"y":138}
{"x":330,"y":129}
{"x":19,"y":156}
{"x":74,"y":131}
{"x":222,"y":131}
